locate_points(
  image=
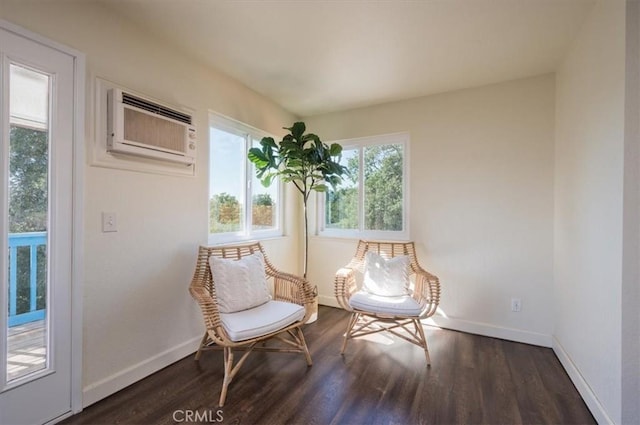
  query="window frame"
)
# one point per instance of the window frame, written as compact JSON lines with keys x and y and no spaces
{"x":361,"y":143}
{"x":222,"y":123}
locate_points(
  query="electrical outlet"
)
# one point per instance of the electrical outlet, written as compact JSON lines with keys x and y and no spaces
{"x":109,"y":222}
{"x":516,"y":304}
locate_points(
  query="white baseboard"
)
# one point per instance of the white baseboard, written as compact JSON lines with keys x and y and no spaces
{"x":477,"y":328}
{"x":597,"y":409}
{"x":493,"y":331}
{"x":114,"y":383}
{"x":326,"y":300}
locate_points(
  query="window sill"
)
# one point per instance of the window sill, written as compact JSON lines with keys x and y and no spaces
{"x":371,"y":235}
{"x":244,"y":239}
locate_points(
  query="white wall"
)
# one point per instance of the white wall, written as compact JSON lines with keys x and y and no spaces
{"x":482,"y":205}
{"x":589,"y":209}
{"x":631,"y":234}
{"x":481,"y":196}
{"x":138,"y":315}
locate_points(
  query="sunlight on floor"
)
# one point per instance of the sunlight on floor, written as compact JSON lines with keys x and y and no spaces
{"x":439,"y":312}
{"x":378,"y":339}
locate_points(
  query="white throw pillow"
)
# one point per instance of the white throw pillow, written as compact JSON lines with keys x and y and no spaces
{"x":387,"y":278}
{"x":240,"y":284}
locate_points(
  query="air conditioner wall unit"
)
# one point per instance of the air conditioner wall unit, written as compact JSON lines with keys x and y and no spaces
{"x":142,"y":127}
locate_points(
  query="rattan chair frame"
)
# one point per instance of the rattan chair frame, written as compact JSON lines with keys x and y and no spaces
{"x":361,"y":323}
{"x":286,"y":287}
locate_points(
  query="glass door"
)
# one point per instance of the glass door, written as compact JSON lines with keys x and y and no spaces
{"x":36,"y":185}
{"x":28,"y":288}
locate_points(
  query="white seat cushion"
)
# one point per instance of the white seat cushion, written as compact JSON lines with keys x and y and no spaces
{"x":261,"y":320}
{"x":403,"y":305}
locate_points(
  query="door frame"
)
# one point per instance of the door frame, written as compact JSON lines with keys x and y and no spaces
{"x":78,"y":164}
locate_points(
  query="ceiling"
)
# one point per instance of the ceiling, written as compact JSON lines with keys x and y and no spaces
{"x":313,"y":57}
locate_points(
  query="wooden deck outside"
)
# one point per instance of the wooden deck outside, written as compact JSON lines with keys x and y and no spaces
{"x":27,"y":349}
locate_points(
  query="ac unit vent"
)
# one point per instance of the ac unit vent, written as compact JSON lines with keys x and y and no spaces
{"x":154,"y":108}
{"x":142,"y":127}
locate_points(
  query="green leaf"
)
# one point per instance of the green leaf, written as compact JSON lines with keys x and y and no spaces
{"x":268,"y":142}
{"x":290,"y":172}
{"x":294,"y":163}
{"x":266,"y":180}
{"x":311,"y":137}
{"x":297,"y":130}
{"x":333,"y":180}
{"x":260,"y":172}
{"x":320,"y":187}
{"x":288,"y":137}
{"x":335,"y":149}
{"x":257,"y":157}
{"x":289,"y":145}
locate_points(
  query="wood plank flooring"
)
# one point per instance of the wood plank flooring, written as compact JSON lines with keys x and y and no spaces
{"x":384,"y":380}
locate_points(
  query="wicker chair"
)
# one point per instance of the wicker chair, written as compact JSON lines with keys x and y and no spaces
{"x":287,"y":288}
{"x":426,"y":294}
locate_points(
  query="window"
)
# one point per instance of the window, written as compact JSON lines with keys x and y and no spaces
{"x":239,"y":206}
{"x":372,"y":201}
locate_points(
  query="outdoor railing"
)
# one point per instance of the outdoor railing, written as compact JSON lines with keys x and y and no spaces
{"x":32,"y":240}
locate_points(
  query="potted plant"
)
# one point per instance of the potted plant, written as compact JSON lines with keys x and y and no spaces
{"x":301,"y":159}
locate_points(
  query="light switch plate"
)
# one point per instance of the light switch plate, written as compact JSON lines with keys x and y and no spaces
{"x":109,"y":222}
{"x":516,"y":304}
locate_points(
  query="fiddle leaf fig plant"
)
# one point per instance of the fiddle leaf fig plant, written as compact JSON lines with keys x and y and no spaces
{"x":301,"y":159}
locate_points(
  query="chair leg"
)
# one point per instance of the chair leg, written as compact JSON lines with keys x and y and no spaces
{"x":202,"y":344}
{"x":423,"y":340}
{"x":352,"y":322}
{"x":230,"y":370}
{"x":303,"y":345}
{"x":228,"y":365}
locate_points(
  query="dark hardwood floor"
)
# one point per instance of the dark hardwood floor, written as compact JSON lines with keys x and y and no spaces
{"x":472,"y":380}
